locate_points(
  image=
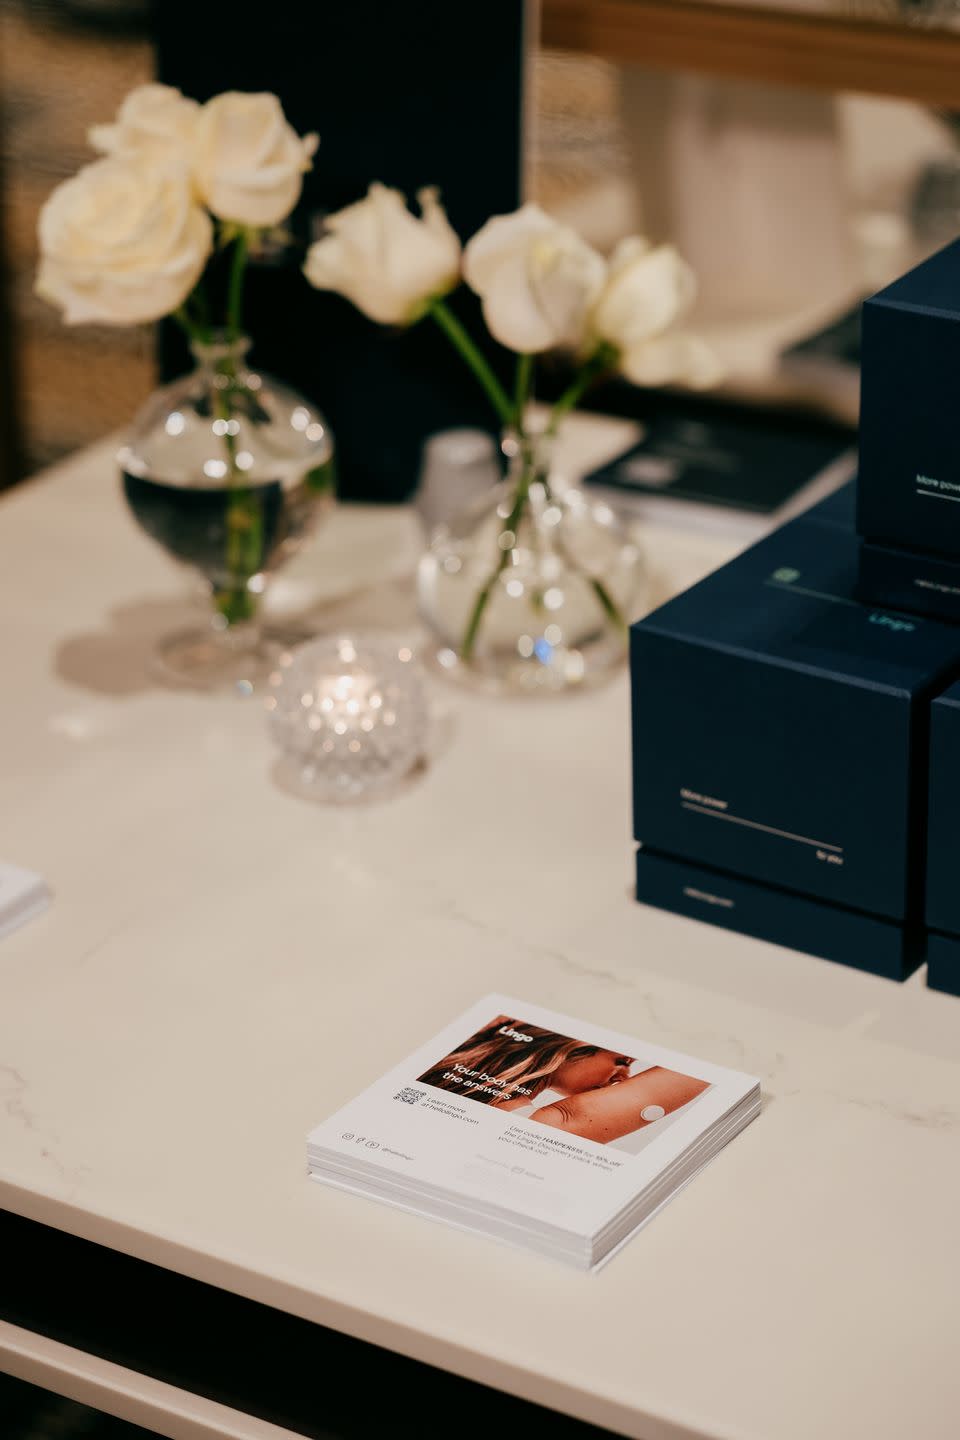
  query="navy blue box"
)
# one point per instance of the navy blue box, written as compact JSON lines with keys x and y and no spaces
{"x":838,"y":509}
{"x":909,"y":483}
{"x":943,"y":963}
{"x":910,"y":580}
{"x":943,"y":834}
{"x":780,"y":729}
{"x":883,"y":947}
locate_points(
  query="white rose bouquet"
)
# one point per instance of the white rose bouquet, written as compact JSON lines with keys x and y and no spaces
{"x":128,"y":239}
{"x":542,"y":288}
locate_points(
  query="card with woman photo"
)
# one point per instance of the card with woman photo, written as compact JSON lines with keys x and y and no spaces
{"x":518,"y":1068}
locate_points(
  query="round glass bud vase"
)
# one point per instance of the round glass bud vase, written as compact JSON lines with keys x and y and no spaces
{"x":230,"y":472}
{"x":532,"y":588}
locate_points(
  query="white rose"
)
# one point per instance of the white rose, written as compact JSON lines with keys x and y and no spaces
{"x":535,"y":277}
{"x":388,"y":262}
{"x":249,"y":162}
{"x":669,"y":358}
{"x":120,"y":244}
{"x":154,"y":122}
{"x":647,"y":290}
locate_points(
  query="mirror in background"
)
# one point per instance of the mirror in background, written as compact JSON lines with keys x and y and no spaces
{"x":790,"y":204}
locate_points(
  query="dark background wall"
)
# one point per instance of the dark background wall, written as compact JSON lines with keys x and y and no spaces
{"x":426,"y":92}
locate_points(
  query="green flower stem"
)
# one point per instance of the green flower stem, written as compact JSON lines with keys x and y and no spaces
{"x":238,"y":267}
{"x":185,"y":320}
{"x":607,"y":603}
{"x":244,"y":524}
{"x":522,"y":392}
{"x":600,"y":364}
{"x":511,"y":527}
{"x":610,"y":607}
{"x":244,"y":555}
{"x":476,"y":360}
{"x":244,"y":519}
{"x":201,"y":310}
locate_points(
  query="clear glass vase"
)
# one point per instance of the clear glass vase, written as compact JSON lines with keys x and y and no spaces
{"x":230,"y":472}
{"x":531,"y":589}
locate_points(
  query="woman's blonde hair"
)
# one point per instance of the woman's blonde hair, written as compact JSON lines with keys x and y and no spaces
{"x":521,"y":1067}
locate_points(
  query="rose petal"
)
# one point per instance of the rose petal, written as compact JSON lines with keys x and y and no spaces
{"x":499,"y":238}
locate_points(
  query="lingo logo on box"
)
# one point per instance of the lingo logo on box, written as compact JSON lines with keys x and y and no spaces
{"x":892,"y":622}
{"x":513,"y":1034}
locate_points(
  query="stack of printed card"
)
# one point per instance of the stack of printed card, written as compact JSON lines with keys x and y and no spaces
{"x":534,"y":1128}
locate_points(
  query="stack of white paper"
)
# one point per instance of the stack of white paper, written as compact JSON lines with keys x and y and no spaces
{"x":534,"y":1128}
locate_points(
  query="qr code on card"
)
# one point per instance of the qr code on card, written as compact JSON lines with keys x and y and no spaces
{"x":408,"y":1095}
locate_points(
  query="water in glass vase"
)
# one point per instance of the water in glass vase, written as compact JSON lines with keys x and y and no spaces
{"x":192,"y":523}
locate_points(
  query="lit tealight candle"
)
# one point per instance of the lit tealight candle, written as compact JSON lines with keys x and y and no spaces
{"x":349,"y":714}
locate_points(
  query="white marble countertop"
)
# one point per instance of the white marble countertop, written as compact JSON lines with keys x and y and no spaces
{"x":224,"y":964}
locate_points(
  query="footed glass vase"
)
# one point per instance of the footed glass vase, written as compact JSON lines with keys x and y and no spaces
{"x":230,"y":472}
{"x":531,"y":589}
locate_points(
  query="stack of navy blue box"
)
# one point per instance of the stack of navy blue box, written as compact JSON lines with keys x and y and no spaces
{"x":908,"y":497}
{"x":796,"y":719}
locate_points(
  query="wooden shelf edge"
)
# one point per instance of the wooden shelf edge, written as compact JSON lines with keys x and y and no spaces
{"x":817,"y":52}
